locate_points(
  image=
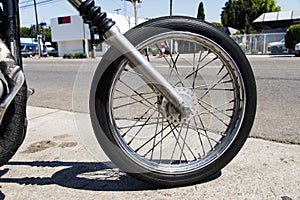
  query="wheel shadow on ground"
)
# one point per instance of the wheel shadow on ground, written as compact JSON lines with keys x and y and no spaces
{"x":95,"y":176}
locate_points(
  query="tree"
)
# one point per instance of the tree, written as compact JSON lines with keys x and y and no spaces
{"x":292,"y":36}
{"x":240,"y":14}
{"x":228,"y":16}
{"x":47,"y":34}
{"x":201,"y":14}
{"x":29,"y":32}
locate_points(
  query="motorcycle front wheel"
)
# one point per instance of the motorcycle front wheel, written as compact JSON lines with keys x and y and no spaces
{"x":143,"y":134}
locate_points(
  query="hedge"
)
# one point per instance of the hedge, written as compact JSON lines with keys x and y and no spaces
{"x":77,"y":55}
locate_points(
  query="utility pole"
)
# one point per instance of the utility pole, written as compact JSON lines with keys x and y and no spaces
{"x":171,"y":7}
{"x":135,"y":5}
{"x":36,"y":18}
{"x":37,"y":30}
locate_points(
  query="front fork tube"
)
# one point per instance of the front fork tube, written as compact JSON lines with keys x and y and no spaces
{"x":14,"y":76}
{"x":142,"y":66}
{"x":110,"y":33}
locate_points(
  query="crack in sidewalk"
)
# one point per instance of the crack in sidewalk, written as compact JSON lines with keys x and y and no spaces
{"x":43,"y":115}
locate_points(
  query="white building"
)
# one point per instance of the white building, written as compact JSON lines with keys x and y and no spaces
{"x":72,"y":35}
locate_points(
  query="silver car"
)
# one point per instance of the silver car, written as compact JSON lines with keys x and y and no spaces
{"x":297,"y":49}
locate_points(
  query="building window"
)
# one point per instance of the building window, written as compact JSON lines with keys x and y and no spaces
{"x":64,"y":20}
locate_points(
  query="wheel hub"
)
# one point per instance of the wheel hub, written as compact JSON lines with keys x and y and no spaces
{"x":189,"y":108}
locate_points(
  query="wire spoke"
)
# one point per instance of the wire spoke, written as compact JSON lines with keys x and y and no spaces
{"x":130,"y":71}
{"x":136,"y":101}
{"x":177,"y":139}
{"x":206,"y":132}
{"x":195,"y":68}
{"x":155,"y":134}
{"x":172,"y":67}
{"x":136,"y":134}
{"x":177,"y":142}
{"x":138,"y":94}
{"x":149,"y":124}
{"x":141,"y":93}
{"x":217,"y":110}
{"x":137,"y":121}
{"x":213,"y":113}
{"x":199,"y":135}
{"x":158,"y":142}
{"x":214,"y":85}
{"x":184,"y":144}
{"x":206,"y":64}
{"x":140,"y":102}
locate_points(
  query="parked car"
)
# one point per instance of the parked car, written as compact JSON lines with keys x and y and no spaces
{"x":27,"y":53}
{"x":277,"y":47}
{"x":297,"y":50}
{"x":50,"y":49}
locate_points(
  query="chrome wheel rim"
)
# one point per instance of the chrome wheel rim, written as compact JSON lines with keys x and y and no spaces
{"x":140,"y":117}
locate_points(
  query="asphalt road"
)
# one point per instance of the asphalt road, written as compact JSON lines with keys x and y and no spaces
{"x":63,"y":84}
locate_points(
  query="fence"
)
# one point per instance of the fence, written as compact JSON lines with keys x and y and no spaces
{"x":271,"y":43}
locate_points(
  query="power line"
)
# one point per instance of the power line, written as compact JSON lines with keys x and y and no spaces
{"x":30,"y":4}
{"x":24,"y":2}
{"x":40,"y":3}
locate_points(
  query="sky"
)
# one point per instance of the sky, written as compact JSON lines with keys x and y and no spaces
{"x":147,"y":9}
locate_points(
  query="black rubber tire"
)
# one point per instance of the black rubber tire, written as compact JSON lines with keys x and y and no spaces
{"x":102,"y":82}
{"x":13,"y":127}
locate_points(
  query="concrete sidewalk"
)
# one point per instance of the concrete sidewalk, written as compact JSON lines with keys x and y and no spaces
{"x":53,"y":163}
